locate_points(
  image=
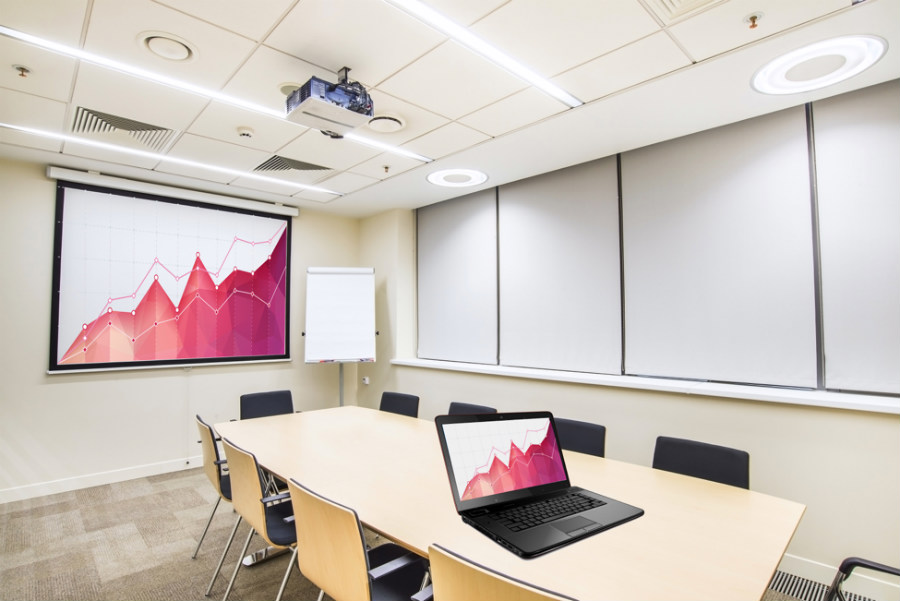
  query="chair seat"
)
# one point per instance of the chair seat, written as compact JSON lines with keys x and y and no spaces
{"x":280,"y":532}
{"x":399,"y":585}
{"x":225,"y":486}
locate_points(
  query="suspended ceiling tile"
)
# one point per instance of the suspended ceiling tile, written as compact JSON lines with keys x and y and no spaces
{"x":50,"y":75}
{"x":348,"y":182}
{"x":118,"y":27}
{"x":61,"y":22}
{"x":374,"y":39}
{"x":417,"y":120}
{"x":25,"y":110}
{"x":203,"y":151}
{"x":629,"y":66}
{"x":572,"y":33}
{"x":238,"y":126}
{"x":314,"y":147}
{"x":249,"y":19}
{"x":452,"y":81}
{"x":102,"y":89}
{"x":513,"y":112}
{"x":384,"y":166}
{"x":441,"y":142}
{"x":266,"y":72}
{"x":726,"y":26}
{"x":465,"y":12}
{"x":670,"y":11}
{"x":319,"y":197}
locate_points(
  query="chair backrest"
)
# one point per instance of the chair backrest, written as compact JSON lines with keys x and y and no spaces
{"x":455,"y":578}
{"x":702,"y":460}
{"x":400,"y":402}
{"x":468,"y":409}
{"x":331,"y":549}
{"x":263,"y":404}
{"x":211,"y":457}
{"x":581,"y":437}
{"x":247,"y":487}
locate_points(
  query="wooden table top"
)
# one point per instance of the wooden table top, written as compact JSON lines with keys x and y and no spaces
{"x":696,"y":540}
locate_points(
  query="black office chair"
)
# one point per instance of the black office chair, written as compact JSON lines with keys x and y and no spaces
{"x":331,"y":553}
{"x":702,"y":460}
{"x":581,"y":437}
{"x":216,"y":470}
{"x":835,"y":592}
{"x":263,"y":404}
{"x":468,"y":409}
{"x":270,"y":517}
{"x":400,"y":402}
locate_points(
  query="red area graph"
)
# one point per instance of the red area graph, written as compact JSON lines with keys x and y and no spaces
{"x":242,"y":316}
{"x":538,"y":464}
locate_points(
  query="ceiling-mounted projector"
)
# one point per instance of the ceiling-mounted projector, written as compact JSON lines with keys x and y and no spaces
{"x":333,"y":109}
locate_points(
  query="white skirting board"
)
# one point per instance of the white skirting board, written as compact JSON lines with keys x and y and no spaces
{"x":51,"y":487}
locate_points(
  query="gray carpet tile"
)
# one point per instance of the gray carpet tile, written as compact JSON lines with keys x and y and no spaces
{"x":133,"y":540}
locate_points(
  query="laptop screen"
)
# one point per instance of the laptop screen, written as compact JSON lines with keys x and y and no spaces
{"x":500,"y":454}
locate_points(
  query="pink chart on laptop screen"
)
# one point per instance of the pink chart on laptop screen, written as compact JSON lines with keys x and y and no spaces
{"x":501,"y":456}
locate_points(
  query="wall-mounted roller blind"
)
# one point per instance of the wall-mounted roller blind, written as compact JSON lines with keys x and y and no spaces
{"x":559,"y":270}
{"x":457,"y":279}
{"x":718,"y":255}
{"x":857,"y":157}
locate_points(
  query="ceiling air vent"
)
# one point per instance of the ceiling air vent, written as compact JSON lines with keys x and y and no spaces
{"x":669,"y":11}
{"x":88,"y":121}
{"x":277,"y":163}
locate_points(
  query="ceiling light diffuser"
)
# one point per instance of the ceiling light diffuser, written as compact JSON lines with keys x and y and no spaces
{"x":179,"y":84}
{"x":468,"y":39}
{"x":457,"y":178}
{"x":819,"y":65}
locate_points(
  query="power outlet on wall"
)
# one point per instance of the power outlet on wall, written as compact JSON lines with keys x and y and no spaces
{"x":365,"y":379}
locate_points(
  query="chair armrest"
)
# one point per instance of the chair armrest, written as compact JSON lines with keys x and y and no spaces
{"x":850,"y":563}
{"x":426,"y":594}
{"x":393,"y":565}
{"x":275,"y":498}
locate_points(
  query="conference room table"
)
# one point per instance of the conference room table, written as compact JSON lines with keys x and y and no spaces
{"x":697,"y":539}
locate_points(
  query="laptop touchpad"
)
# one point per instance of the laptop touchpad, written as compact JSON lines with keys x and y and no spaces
{"x":573,"y":524}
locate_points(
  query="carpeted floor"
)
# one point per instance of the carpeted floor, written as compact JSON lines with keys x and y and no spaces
{"x":133,"y":540}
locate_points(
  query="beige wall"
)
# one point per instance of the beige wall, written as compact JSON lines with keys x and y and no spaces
{"x":843,"y":465}
{"x":65,"y":431}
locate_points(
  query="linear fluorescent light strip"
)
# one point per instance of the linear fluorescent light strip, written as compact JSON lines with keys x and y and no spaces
{"x":386,"y":147}
{"x":479,"y":46}
{"x":177,"y":84}
{"x":163,"y":158}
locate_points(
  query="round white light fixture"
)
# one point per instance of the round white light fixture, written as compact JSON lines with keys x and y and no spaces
{"x":167,"y":46}
{"x":457,"y":178}
{"x":819,"y":65}
{"x":386,"y":124}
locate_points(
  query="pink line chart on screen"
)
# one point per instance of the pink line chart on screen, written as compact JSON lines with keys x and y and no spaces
{"x":144,"y":270}
{"x":512,"y":455}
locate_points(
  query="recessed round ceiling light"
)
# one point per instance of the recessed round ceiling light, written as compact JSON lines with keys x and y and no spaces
{"x":457,"y":178}
{"x":289,"y":88}
{"x":819,"y":65}
{"x":386,"y":124}
{"x":167,"y":46}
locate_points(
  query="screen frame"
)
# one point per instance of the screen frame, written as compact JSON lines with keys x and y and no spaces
{"x":506,"y":497}
{"x":53,"y":362}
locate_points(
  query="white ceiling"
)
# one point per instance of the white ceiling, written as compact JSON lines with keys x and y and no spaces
{"x":647,"y":71}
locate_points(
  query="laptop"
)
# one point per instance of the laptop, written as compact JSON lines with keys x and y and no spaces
{"x":506,"y":470}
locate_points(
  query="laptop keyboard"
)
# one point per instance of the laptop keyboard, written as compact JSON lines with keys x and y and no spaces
{"x":540,"y":512}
